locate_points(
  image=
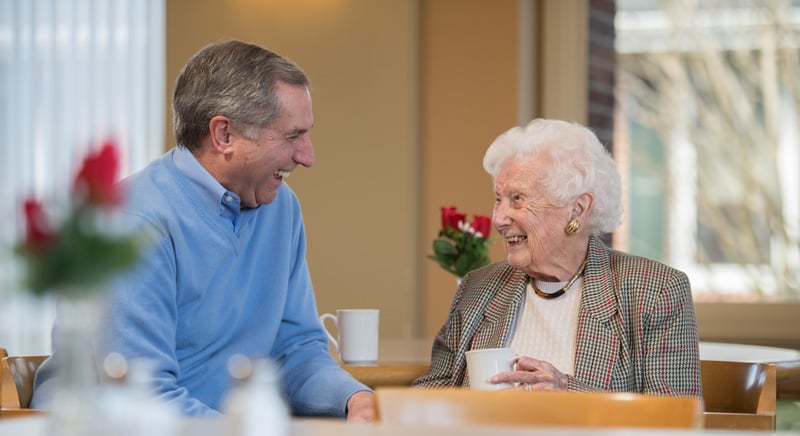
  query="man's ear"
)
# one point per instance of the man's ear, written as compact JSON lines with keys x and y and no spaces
{"x":221,"y":132}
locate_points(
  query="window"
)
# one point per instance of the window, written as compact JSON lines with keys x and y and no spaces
{"x":710,"y":107}
{"x":72,"y":73}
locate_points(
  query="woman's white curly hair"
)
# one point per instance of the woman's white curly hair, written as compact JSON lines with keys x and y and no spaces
{"x":580,"y":164}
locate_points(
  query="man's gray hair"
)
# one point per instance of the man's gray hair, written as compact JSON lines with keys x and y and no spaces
{"x":233,"y":79}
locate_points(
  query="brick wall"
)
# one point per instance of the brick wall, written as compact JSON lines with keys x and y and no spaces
{"x":601,"y":65}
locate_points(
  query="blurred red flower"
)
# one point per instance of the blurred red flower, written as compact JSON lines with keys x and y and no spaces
{"x":39,"y":236}
{"x":96,"y":180}
{"x":86,"y":248}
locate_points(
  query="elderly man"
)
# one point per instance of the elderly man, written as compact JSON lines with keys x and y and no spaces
{"x":227,"y":271}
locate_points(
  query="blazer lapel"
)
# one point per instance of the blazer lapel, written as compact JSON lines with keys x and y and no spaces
{"x":500,"y":312}
{"x":601,"y":334}
{"x":487,"y":312}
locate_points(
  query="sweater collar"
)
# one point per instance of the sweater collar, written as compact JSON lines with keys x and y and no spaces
{"x":214,"y":195}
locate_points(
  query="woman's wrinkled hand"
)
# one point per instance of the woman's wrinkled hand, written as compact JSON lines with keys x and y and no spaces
{"x":533,"y":375}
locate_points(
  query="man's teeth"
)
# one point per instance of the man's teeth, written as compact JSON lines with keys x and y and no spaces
{"x":516,"y":238}
{"x":282,"y":174}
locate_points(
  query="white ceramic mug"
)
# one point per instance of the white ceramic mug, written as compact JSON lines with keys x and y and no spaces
{"x":358,"y":335}
{"x":483,"y":364}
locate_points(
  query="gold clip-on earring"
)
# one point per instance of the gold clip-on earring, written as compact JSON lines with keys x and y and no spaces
{"x":572,"y":227}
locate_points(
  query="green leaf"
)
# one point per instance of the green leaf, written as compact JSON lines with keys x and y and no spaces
{"x":444,"y":248}
{"x":458,"y":252}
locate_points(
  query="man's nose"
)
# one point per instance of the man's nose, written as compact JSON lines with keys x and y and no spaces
{"x":304,"y":155}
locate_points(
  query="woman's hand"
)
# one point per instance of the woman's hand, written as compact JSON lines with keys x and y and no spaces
{"x":533,"y":375}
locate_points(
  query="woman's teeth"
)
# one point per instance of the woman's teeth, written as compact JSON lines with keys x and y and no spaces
{"x":516,"y":238}
{"x":282,"y":174}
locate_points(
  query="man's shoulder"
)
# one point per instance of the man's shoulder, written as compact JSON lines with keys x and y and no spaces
{"x":149,"y":175}
{"x":152,"y":188}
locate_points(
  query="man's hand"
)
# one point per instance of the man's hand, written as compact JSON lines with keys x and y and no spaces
{"x":361,"y":407}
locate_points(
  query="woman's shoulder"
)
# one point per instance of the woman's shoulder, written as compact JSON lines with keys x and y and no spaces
{"x":620,"y":261}
{"x":496,"y":272}
{"x":498,"y":284}
{"x":493,"y":277}
{"x":626,"y":262}
{"x":640,"y":276}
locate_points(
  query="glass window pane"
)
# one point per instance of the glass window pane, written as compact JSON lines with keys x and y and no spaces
{"x":709,"y":101}
{"x":72,"y":74}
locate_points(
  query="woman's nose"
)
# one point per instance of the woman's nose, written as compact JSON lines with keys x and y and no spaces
{"x":499,"y":216}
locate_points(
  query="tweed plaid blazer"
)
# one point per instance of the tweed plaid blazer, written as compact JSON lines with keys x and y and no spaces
{"x":636,"y":332}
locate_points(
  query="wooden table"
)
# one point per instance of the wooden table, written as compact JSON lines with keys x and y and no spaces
{"x":386,"y":374}
{"x":400,"y":361}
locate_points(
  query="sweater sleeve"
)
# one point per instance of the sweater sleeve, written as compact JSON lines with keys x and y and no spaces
{"x":313,"y":381}
{"x":142,"y":324}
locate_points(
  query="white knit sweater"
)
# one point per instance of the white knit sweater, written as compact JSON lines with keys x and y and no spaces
{"x":546,"y":329}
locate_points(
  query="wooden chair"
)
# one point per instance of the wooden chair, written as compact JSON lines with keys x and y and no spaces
{"x":16,"y":384}
{"x":739,"y":395}
{"x":444,"y":407}
{"x":788,"y":379}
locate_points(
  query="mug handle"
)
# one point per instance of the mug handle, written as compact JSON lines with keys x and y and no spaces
{"x":514,"y":361}
{"x":326,"y":316}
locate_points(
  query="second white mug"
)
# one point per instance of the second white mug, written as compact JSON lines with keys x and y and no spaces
{"x":357,"y":342}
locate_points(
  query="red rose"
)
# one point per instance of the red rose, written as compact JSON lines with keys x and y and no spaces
{"x":446,"y":212}
{"x":451,"y":217}
{"x":39,"y":236}
{"x":482,"y":224}
{"x":96,"y":180}
{"x":461,"y":250}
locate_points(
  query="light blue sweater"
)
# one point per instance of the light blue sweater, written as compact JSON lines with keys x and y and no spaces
{"x":220,"y":281}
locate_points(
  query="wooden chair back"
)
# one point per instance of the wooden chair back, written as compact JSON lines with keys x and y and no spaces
{"x":16,"y":380}
{"x":739,"y":395}
{"x":459,"y":406}
{"x":788,"y":379}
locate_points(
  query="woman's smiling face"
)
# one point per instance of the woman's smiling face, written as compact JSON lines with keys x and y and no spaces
{"x":531,"y":227}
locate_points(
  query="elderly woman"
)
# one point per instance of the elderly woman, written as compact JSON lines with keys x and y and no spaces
{"x":579,"y":315}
